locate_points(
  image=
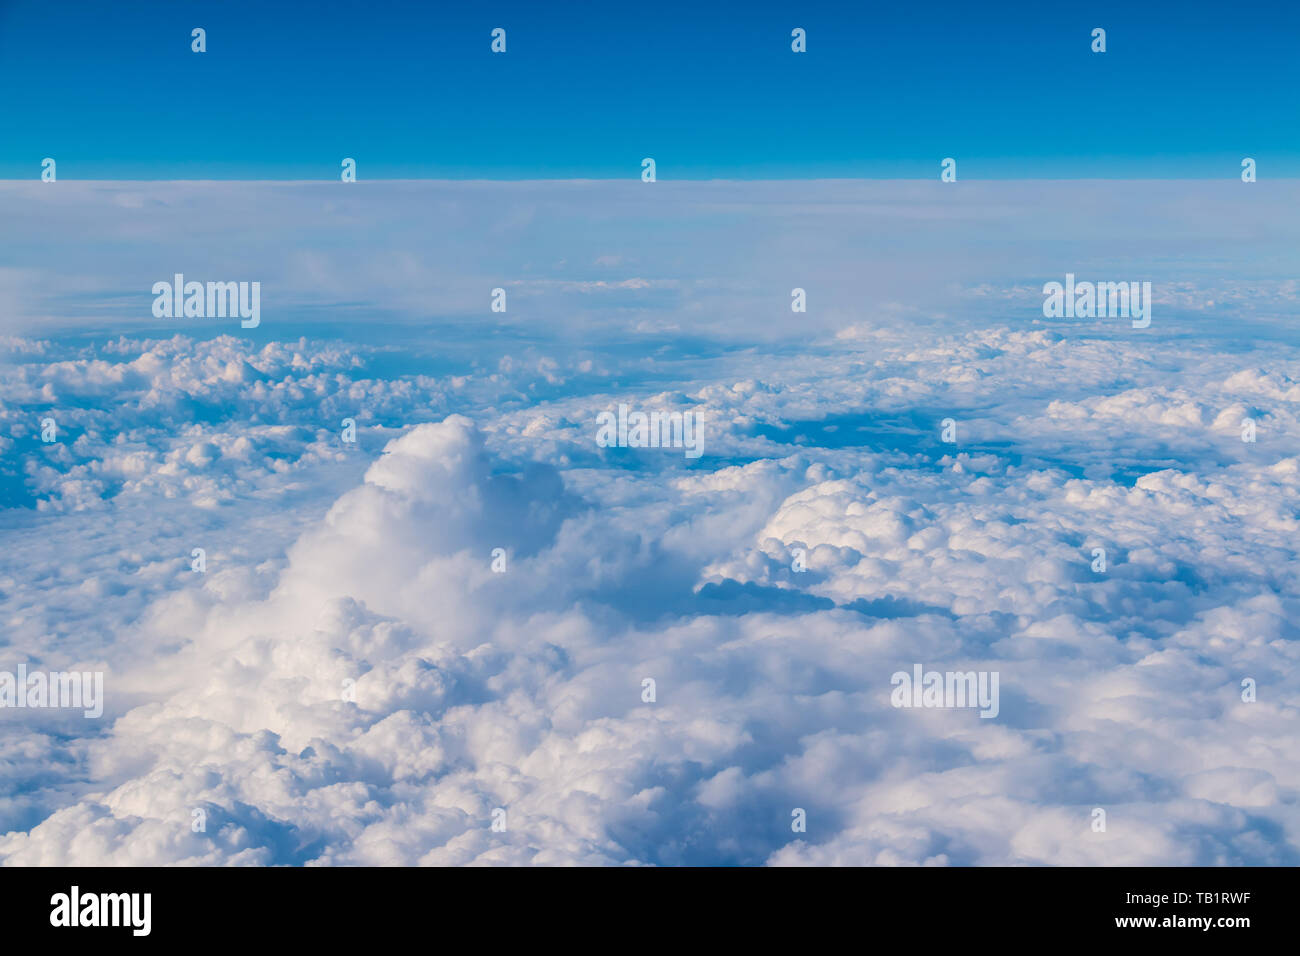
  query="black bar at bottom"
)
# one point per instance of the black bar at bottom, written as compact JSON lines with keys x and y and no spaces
{"x":335,"y":906}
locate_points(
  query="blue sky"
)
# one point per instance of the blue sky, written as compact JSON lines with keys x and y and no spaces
{"x":112,"y":91}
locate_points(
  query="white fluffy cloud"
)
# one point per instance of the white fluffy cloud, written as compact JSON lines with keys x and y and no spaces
{"x":350,"y":681}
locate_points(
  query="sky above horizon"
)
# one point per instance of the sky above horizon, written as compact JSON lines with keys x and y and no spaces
{"x":412,"y":90}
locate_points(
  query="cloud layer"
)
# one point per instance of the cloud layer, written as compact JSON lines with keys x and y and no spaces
{"x":352,"y":681}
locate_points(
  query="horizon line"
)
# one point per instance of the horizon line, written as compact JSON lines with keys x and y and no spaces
{"x":634,"y":179}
